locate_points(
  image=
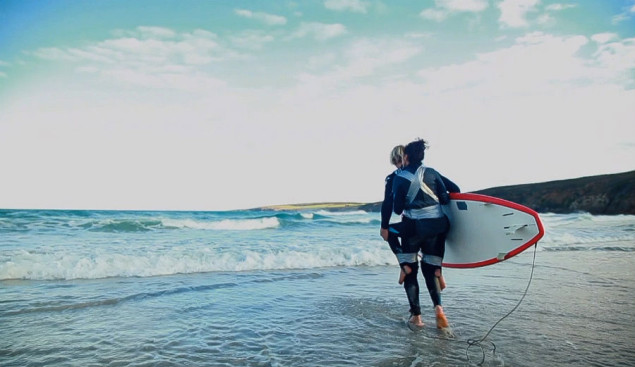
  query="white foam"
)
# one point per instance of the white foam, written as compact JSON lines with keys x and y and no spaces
{"x":225,"y":224}
{"x":584,"y":228}
{"x":342,"y":213}
{"x":37,"y":265}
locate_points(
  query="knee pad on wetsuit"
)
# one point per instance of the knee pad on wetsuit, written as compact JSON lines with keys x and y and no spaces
{"x":431,"y":260}
{"x":407,"y":258}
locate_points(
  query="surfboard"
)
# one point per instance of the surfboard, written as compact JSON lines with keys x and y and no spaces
{"x":485,"y":230}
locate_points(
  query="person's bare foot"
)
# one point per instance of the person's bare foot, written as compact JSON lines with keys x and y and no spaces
{"x":405,"y":270}
{"x":415,"y":320}
{"x":442,"y":321}
{"x":441,"y":279}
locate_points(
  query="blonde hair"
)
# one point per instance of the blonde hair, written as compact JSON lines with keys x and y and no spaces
{"x":396,"y":155}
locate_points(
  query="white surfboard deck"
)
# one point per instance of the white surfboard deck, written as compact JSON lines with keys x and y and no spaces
{"x":485,"y":230}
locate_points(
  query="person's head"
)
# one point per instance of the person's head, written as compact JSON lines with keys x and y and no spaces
{"x":415,"y":151}
{"x":396,"y":156}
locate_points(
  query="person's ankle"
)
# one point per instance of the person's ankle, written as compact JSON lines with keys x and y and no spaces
{"x":416,"y":320}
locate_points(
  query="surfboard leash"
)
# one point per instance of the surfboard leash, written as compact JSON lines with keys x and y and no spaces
{"x":478,"y":342}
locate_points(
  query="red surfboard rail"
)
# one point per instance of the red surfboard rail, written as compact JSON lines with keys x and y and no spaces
{"x":505,"y":203}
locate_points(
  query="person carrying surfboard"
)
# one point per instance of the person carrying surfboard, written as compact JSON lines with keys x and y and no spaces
{"x":418,"y":193}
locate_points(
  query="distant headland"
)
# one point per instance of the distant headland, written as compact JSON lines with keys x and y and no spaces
{"x":309,"y":206}
{"x":603,"y":194}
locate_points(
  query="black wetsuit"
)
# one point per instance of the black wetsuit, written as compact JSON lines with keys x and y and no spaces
{"x":386,"y":211}
{"x":423,"y":227}
{"x":386,"y":205}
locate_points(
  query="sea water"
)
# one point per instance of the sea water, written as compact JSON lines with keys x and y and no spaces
{"x":299,"y":288}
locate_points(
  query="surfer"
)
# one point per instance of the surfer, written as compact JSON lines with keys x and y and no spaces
{"x":419,"y":192}
{"x":396,"y":158}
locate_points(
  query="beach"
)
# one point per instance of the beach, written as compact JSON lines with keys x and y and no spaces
{"x":299,"y":288}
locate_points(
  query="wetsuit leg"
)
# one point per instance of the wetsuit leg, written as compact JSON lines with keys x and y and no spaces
{"x":405,"y":252}
{"x":400,"y":230}
{"x":393,"y":242}
{"x":411,"y":286}
{"x":434,"y":230}
{"x":411,"y":242}
{"x":433,"y":248}
{"x":428,"y":274}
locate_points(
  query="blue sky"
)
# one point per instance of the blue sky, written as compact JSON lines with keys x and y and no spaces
{"x":215,"y":105}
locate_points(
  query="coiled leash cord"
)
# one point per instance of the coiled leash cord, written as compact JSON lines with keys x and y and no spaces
{"x":479,"y":342}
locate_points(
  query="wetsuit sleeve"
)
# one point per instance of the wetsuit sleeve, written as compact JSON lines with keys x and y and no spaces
{"x":386,"y":205}
{"x":400,"y":190}
{"x":449,"y":185}
{"x":441,"y":190}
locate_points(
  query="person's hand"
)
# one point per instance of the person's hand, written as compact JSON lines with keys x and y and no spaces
{"x":384,"y":233}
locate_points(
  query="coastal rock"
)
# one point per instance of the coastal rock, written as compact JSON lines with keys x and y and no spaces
{"x":604,"y":194}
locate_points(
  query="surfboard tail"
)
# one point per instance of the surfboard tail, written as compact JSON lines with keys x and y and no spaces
{"x":486,"y":230}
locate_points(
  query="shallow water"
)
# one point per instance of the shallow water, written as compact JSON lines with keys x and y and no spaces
{"x":579,"y":308}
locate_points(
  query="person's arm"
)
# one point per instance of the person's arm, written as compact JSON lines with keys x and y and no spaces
{"x":399,"y":195}
{"x":386,"y":205}
{"x":449,"y":185}
{"x":442,"y":191}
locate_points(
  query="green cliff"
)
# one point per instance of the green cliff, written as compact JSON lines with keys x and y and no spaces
{"x":605,"y":194}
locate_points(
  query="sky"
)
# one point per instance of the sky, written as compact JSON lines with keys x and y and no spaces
{"x":234,"y":104}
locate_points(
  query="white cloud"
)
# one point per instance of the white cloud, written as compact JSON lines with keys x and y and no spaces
{"x":603,"y":37}
{"x":3,"y":74}
{"x":514,"y":12}
{"x":52,"y":53}
{"x":363,"y":58}
{"x":559,"y":7}
{"x":251,"y":39}
{"x":321,"y":61}
{"x":624,"y":15}
{"x":463,"y":5}
{"x":536,"y":60}
{"x":87,"y":69}
{"x":418,"y":35}
{"x":545,"y":19}
{"x":537,"y":64}
{"x":619,"y":18}
{"x":617,"y":59}
{"x":156,"y":32}
{"x":269,"y":19}
{"x":445,"y":8}
{"x":356,"y":6}
{"x":437,"y":15}
{"x":319,"y":31}
{"x":147,"y":56}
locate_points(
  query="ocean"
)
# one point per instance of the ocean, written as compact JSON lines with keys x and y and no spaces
{"x":299,"y":288}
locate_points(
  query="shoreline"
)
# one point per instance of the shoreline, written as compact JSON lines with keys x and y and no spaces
{"x":307,"y":206}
